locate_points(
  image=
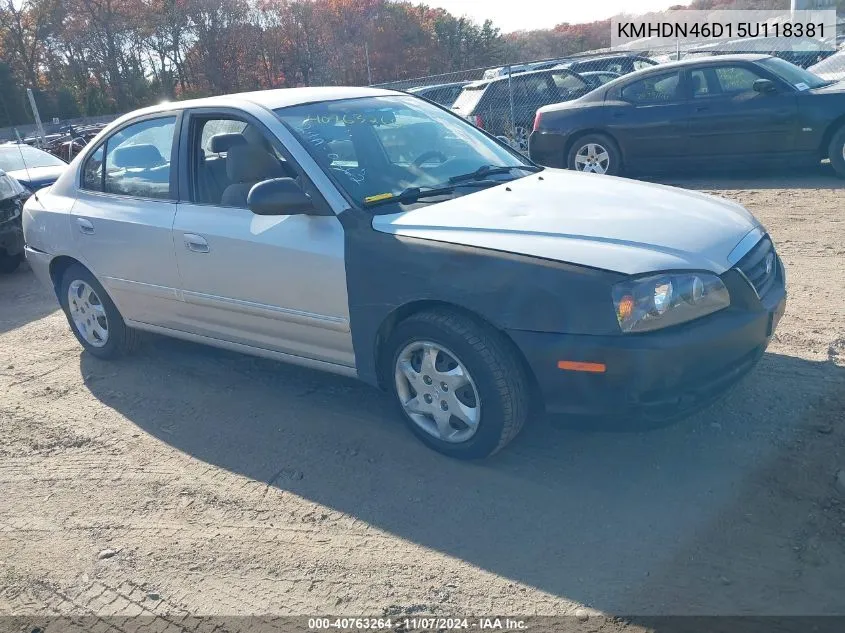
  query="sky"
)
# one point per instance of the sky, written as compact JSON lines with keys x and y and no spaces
{"x":516,"y":15}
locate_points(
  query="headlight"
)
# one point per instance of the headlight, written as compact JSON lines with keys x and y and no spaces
{"x":655,"y":302}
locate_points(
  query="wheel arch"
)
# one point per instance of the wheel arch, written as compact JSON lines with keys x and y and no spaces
{"x":411,"y":308}
{"x":827,"y":137}
{"x":58,"y":266}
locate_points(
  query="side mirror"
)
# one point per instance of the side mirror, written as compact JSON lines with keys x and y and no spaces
{"x":279,"y":196}
{"x":765,"y":86}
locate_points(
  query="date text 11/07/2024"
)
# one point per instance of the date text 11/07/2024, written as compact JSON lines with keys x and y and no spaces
{"x":718,"y":30}
{"x":416,"y":624}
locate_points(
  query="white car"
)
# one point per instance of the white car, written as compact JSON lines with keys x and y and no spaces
{"x":371,"y":233}
{"x":831,"y":68}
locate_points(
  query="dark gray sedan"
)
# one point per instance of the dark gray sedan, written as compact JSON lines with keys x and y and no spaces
{"x":732,"y":111}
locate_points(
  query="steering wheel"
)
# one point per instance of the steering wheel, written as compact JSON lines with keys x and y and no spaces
{"x":422,"y":158}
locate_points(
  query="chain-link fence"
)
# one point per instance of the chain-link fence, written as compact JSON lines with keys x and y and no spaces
{"x":504,"y":100}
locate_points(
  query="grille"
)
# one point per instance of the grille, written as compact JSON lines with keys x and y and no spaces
{"x":755,"y":264}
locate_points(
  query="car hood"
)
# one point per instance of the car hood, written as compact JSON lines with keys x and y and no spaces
{"x":836,"y":76}
{"x":35,"y":178}
{"x":586,"y":219}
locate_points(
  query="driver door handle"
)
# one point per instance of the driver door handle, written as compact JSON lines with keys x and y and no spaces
{"x":196,"y":243}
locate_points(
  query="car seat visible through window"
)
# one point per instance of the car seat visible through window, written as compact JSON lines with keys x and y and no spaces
{"x":247,"y":165}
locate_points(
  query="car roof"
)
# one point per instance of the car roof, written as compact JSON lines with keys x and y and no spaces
{"x":748,"y":41}
{"x":435,"y":86}
{"x":700,"y":61}
{"x":483,"y":82}
{"x":272,"y":99}
{"x":601,"y":57}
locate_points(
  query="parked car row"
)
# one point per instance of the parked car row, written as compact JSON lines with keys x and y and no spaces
{"x":740,"y":111}
{"x":607,"y":66}
{"x":505,"y":105}
{"x":23,"y":170}
{"x":68,"y":141}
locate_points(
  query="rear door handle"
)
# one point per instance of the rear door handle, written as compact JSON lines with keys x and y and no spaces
{"x":196,"y":243}
{"x":85,"y":226}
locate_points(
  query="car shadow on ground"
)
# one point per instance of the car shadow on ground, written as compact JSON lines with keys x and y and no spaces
{"x":821,"y":177}
{"x":630,"y":522}
{"x":23,"y":299}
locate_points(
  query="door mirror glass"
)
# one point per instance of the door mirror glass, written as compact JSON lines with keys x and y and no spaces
{"x":765,"y":86}
{"x":279,"y":196}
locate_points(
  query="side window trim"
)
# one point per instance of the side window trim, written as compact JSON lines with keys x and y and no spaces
{"x":174,"y":153}
{"x":186,"y":151}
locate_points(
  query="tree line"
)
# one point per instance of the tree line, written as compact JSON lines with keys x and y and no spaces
{"x":93,"y":57}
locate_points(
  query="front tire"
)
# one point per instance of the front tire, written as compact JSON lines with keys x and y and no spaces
{"x":93,"y":317}
{"x":595,"y":153}
{"x":836,"y":152}
{"x":458,"y":383}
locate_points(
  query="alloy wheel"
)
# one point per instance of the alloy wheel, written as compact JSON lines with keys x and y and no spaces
{"x":88,"y":313}
{"x":592,"y":158}
{"x":437,"y":392}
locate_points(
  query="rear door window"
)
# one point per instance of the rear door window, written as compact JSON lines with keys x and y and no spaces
{"x":137,"y":161}
{"x":568,"y":84}
{"x":653,"y":90}
{"x":532,"y":89}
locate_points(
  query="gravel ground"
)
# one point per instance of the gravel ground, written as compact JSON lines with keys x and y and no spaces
{"x":185,"y":479}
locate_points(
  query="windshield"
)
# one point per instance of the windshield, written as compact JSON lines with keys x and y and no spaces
{"x":833,"y":64}
{"x":9,"y":187}
{"x":794,"y":75}
{"x":378,"y":147}
{"x":10,"y":158}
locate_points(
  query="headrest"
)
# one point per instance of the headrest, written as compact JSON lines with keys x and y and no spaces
{"x":251,"y":163}
{"x":145,"y":155}
{"x":220,"y":143}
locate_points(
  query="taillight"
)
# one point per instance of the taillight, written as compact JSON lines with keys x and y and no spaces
{"x":478,"y":121}
{"x":537,"y":118}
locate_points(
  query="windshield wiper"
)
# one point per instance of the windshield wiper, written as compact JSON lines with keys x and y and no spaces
{"x":489,"y":170}
{"x":412,"y":194}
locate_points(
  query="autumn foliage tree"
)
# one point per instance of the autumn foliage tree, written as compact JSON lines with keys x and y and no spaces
{"x":105,"y":56}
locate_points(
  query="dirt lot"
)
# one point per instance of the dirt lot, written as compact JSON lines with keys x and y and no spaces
{"x":224,"y":484}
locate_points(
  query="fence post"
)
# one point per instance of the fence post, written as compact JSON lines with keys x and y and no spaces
{"x":510,"y":95}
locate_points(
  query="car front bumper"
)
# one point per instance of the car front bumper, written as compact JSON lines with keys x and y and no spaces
{"x":656,"y":375}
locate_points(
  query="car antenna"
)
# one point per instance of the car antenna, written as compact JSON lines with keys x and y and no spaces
{"x":25,"y":166}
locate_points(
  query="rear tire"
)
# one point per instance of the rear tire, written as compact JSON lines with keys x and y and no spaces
{"x":836,"y":152}
{"x":93,"y":317}
{"x":474,"y":392}
{"x":10,"y":263}
{"x":595,"y":153}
